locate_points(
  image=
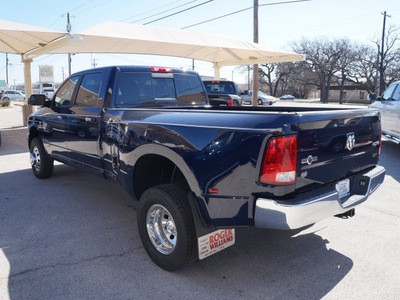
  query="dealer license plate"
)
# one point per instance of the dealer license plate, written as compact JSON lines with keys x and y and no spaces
{"x":216,"y":241}
{"x":343,"y":188}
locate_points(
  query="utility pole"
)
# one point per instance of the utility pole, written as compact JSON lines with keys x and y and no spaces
{"x":94,"y":64}
{"x":7,"y":68}
{"x":255,"y":40}
{"x":381,"y":87}
{"x":193,"y":64}
{"x":62,"y":69}
{"x":69,"y":54}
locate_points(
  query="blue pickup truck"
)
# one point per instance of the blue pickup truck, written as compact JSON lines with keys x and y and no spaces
{"x":198,"y":172}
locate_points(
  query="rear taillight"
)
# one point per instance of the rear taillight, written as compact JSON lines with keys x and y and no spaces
{"x":279,"y":166}
{"x":230,"y":102}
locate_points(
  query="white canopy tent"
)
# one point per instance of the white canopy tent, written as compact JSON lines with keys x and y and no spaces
{"x":110,"y":37}
{"x":19,"y":38}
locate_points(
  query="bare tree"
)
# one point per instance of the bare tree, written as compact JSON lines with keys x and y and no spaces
{"x":322,"y":57}
{"x":391,"y":55}
{"x":345,"y":64}
{"x":266,"y":76}
{"x":365,"y":67}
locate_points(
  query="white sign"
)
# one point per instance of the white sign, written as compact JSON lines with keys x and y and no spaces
{"x":46,"y":74}
{"x":216,"y":241}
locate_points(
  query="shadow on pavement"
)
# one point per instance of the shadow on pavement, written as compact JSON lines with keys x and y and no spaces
{"x":74,"y":236}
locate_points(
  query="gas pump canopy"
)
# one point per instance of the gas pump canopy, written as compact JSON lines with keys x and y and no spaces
{"x":110,"y":37}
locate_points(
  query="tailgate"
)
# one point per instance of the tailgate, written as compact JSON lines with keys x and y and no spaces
{"x":333,"y":145}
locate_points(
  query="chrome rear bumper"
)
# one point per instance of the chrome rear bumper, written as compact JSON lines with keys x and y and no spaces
{"x":302,"y":212}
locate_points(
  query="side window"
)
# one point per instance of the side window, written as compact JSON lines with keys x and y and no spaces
{"x":88,"y":93}
{"x":387,"y":95}
{"x":64,"y":93}
{"x":189,"y":89}
{"x":396,"y":95}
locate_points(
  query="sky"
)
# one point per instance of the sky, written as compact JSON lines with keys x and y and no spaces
{"x":360,"y":21}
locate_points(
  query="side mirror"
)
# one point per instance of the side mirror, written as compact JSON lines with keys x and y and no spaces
{"x":37,"y":99}
{"x":371,"y":97}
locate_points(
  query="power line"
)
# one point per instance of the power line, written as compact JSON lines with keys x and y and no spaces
{"x":242,"y":10}
{"x":84,"y":4}
{"x":157,"y":8}
{"x":178,"y":12}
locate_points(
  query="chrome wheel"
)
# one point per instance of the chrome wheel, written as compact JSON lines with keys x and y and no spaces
{"x":161,"y":229}
{"x":35,"y":158}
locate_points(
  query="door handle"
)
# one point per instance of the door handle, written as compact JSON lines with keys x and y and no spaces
{"x":61,"y":117}
{"x":90,"y":119}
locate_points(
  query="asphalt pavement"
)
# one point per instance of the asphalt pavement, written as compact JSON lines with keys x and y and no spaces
{"x":74,"y":236}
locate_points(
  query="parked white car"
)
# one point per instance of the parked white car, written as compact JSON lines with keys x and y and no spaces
{"x":48,"y":92}
{"x":389,"y":106}
{"x":263,"y":99}
{"x":13,"y":95}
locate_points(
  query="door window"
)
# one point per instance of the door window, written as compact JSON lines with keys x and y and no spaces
{"x":65,"y":92}
{"x":88,"y":93}
{"x":396,"y":94}
{"x":387,"y":95}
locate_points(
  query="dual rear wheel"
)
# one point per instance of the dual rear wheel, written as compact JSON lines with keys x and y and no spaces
{"x":166,"y":226}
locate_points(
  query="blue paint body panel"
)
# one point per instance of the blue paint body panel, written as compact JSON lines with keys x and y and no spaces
{"x":214,"y":147}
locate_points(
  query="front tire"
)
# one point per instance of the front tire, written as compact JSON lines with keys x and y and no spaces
{"x":166,"y":227}
{"x":42,"y":164}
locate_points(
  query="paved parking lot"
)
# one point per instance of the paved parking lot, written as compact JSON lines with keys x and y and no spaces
{"x":74,"y":236}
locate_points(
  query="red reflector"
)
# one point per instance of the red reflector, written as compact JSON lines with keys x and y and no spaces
{"x":380,"y":142}
{"x":230,"y":102}
{"x":159,"y":69}
{"x":213,"y":191}
{"x":280,"y":161}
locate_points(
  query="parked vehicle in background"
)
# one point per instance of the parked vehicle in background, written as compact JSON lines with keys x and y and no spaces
{"x":389,"y":106}
{"x":13,"y":95}
{"x":263,"y":99}
{"x":222,"y":93}
{"x":48,"y":93}
{"x":198,"y":172}
{"x":287,"y":97}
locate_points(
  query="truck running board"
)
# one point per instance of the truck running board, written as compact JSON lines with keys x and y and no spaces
{"x":392,"y":139}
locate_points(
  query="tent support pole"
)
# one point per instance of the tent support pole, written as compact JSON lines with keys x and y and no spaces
{"x":217,"y":72}
{"x":27,"y":109}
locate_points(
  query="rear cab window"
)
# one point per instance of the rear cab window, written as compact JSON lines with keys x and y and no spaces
{"x":220,"y":87}
{"x":136,"y":89}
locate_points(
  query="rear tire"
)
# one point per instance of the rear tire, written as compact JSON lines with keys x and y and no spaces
{"x":42,"y":164}
{"x":260,"y":102}
{"x":166,"y":227}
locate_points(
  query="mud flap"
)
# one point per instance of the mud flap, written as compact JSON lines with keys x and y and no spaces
{"x":209,"y":240}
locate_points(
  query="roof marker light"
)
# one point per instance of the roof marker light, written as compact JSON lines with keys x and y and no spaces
{"x":161,"y":69}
